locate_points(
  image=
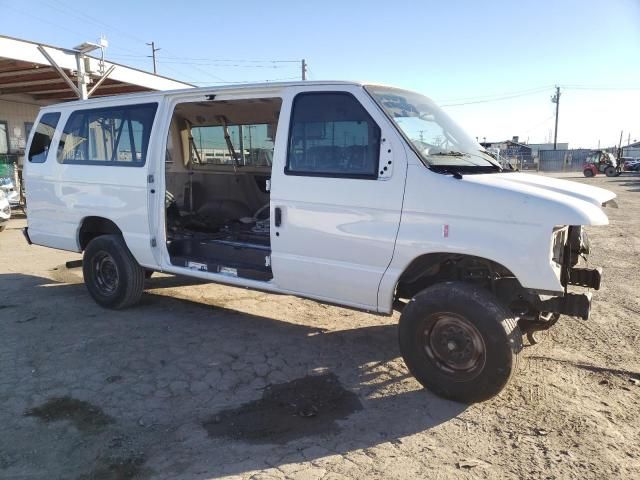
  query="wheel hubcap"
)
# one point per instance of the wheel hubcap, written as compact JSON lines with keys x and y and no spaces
{"x":106,"y":273}
{"x":454,"y":344}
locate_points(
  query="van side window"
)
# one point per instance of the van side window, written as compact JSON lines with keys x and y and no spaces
{"x":332,"y":135}
{"x":108,"y":136}
{"x":42,"y":137}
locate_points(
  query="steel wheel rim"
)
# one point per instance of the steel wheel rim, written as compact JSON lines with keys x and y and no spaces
{"x":106,"y":273}
{"x":454,"y":344}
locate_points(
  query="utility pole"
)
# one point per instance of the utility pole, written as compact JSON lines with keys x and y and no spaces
{"x":556,"y":99}
{"x":153,"y":55}
{"x":304,"y":69}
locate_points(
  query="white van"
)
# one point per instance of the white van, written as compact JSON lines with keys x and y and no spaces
{"x":358,"y":195}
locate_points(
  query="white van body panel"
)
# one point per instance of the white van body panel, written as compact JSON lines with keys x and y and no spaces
{"x":61,"y":196}
{"x":504,"y":217}
{"x":344,"y":241}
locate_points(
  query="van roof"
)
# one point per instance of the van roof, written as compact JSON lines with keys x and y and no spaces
{"x":207,"y":90}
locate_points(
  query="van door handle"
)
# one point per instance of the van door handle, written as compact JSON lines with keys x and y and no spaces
{"x":278,"y":216}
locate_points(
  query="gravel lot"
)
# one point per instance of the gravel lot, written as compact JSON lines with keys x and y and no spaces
{"x":178,"y":387}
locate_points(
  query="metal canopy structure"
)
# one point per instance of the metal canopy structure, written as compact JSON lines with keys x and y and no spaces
{"x":51,"y":74}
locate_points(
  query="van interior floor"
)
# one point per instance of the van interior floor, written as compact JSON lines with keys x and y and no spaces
{"x":238,"y":247}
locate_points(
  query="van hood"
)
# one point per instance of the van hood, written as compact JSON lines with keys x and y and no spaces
{"x":582,"y":204}
{"x":596,"y":195}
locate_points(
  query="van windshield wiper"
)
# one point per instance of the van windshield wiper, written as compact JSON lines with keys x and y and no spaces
{"x":447,"y":171}
{"x":447,"y":154}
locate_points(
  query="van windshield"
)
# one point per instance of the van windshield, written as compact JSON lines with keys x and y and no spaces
{"x":434,"y":136}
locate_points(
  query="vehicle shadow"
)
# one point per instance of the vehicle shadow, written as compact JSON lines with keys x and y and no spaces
{"x":591,"y":368}
{"x":628,"y":180}
{"x":166,"y":369}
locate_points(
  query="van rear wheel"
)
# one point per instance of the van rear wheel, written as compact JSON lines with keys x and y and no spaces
{"x":459,"y":341}
{"x":113,"y":277}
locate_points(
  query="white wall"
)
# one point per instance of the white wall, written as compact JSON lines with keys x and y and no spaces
{"x":16,"y":110}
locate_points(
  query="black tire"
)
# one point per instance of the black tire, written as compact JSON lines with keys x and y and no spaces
{"x":148,"y":273}
{"x":610,"y":171}
{"x":587,"y":172}
{"x":2,"y":227}
{"x":112,"y":276}
{"x":459,"y":341}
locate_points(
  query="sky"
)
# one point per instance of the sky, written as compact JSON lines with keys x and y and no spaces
{"x":493,"y":65}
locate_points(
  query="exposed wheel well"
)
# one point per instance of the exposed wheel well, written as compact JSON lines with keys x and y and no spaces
{"x":93,"y":227}
{"x":433,"y":268}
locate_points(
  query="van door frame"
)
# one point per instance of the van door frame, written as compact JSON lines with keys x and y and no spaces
{"x":160,"y":250}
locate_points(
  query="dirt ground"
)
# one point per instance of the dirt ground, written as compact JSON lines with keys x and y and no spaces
{"x":202,"y":381}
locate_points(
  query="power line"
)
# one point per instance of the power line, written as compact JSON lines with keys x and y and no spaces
{"x":229,"y":65}
{"x":215,"y":60}
{"x":219,"y":62}
{"x":539,"y":123}
{"x":497,"y":95}
{"x":534,"y":91}
{"x":497,"y":99}
{"x":70,"y":10}
{"x":32,"y":16}
{"x":193,"y":63}
{"x":597,"y":87}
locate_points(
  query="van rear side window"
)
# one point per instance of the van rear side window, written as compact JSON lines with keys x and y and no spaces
{"x":42,"y":137}
{"x":117,"y":136}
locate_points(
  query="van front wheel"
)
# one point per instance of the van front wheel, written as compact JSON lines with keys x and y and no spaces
{"x":113,"y":277}
{"x":459,"y":341}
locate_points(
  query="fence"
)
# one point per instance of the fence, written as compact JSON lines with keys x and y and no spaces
{"x":562,"y":160}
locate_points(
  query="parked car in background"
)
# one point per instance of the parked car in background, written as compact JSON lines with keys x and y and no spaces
{"x":631,"y":165}
{"x":11,"y":192}
{"x":5,"y":210}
